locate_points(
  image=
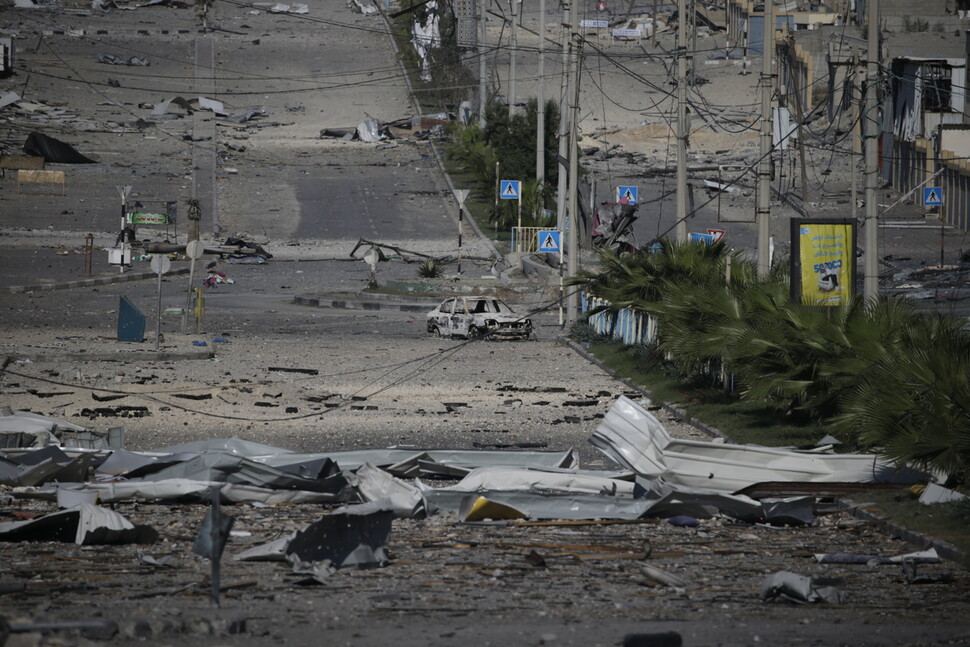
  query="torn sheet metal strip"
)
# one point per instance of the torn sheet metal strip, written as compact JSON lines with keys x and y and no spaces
{"x":180,"y":490}
{"x":514,"y":478}
{"x":543,"y":506}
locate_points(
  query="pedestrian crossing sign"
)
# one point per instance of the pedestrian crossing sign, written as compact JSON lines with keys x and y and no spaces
{"x":932,"y":196}
{"x":627,"y":193}
{"x":549,"y":240}
{"x":510,"y":190}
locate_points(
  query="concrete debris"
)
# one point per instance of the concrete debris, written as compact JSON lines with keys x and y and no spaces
{"x":361,"y":7}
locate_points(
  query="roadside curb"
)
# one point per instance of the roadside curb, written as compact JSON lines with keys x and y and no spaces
{"x":680,"y":414}
{"x":944,"y":549}
{"x":89,"y":283}
{"x":350,"y":304}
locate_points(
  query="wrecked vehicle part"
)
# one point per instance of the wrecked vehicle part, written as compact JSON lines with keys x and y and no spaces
{"x":84,"y":525}
{"x":404,"y":499}
{"x":350,"y":537}
{"x":476,"y":317}
{"x":632,"y":437}
{"x":793,"y":587}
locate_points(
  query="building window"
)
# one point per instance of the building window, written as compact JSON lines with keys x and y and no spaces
{"x":936,"y":88}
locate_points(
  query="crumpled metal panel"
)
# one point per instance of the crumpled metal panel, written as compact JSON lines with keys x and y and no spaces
{"x":228,"y":468}
{"x":406,"y":500}
{"x":85,"y":524}
{"x":636,"y":440}
{"x":354,"y":536}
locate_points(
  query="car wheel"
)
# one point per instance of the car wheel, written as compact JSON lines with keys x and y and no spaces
{"x":435,"y":331}
{"x":474,"y":332}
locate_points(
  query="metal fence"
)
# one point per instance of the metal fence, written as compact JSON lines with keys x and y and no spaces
{"x":526,"y":239}
{"x":628,"y":326}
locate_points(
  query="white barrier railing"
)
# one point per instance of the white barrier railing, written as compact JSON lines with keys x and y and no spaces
{"x":628,"y":326}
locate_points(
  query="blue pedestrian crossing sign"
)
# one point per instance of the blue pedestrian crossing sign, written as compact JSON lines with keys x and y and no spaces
{"x":549,"y":240}
{"x":628,"y":193}
{"x":932,"y":196}
{"x":510,"y":190}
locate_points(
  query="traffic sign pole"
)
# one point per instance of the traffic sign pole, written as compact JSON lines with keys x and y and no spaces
{"x":194,"y":250}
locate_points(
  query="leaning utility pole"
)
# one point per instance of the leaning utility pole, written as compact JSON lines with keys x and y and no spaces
{"x":541,"y":99}
{"x":482,"y":80}
{"x":513,"y":46}
{"x":572,"y":264}
{"x":763,"y":213}
{"x":681,"y":121}
{"x":870,"y":135}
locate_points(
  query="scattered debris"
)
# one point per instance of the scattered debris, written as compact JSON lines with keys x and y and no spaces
{"x":785,"y":585}
{"x":112,"y":59}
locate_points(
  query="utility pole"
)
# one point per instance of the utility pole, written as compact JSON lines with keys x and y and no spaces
{"x":763,"y":213}
{"x":482,"y":80}
{"x":856,"y":141}
{"x":541,"y":99}
{"x":562,"y":186}
{"x":681,"y":121}
{"x":870,"y":135}
{"x":572,"y":265}
{"x":514,"y":46}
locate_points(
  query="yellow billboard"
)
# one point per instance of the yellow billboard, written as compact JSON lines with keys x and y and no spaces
{"x":823,"y":261}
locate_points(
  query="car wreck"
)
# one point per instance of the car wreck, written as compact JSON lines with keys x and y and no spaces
{"x":475,"y":317}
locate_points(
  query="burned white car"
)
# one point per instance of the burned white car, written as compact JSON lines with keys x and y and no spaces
{"x":475,"y":317}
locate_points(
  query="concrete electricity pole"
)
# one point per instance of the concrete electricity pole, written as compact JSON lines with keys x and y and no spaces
{"x":763,"y":213}
{"x":482,"y":80}
{"x":541,"y":98}
{"x":513,"y":46}
{"x":870,"y":135}
{"x":562,"y":186}
{"x":681,"y":120}
{"x":572,"y":265}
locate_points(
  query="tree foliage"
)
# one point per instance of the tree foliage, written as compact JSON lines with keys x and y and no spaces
{"x":886,"y":377}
